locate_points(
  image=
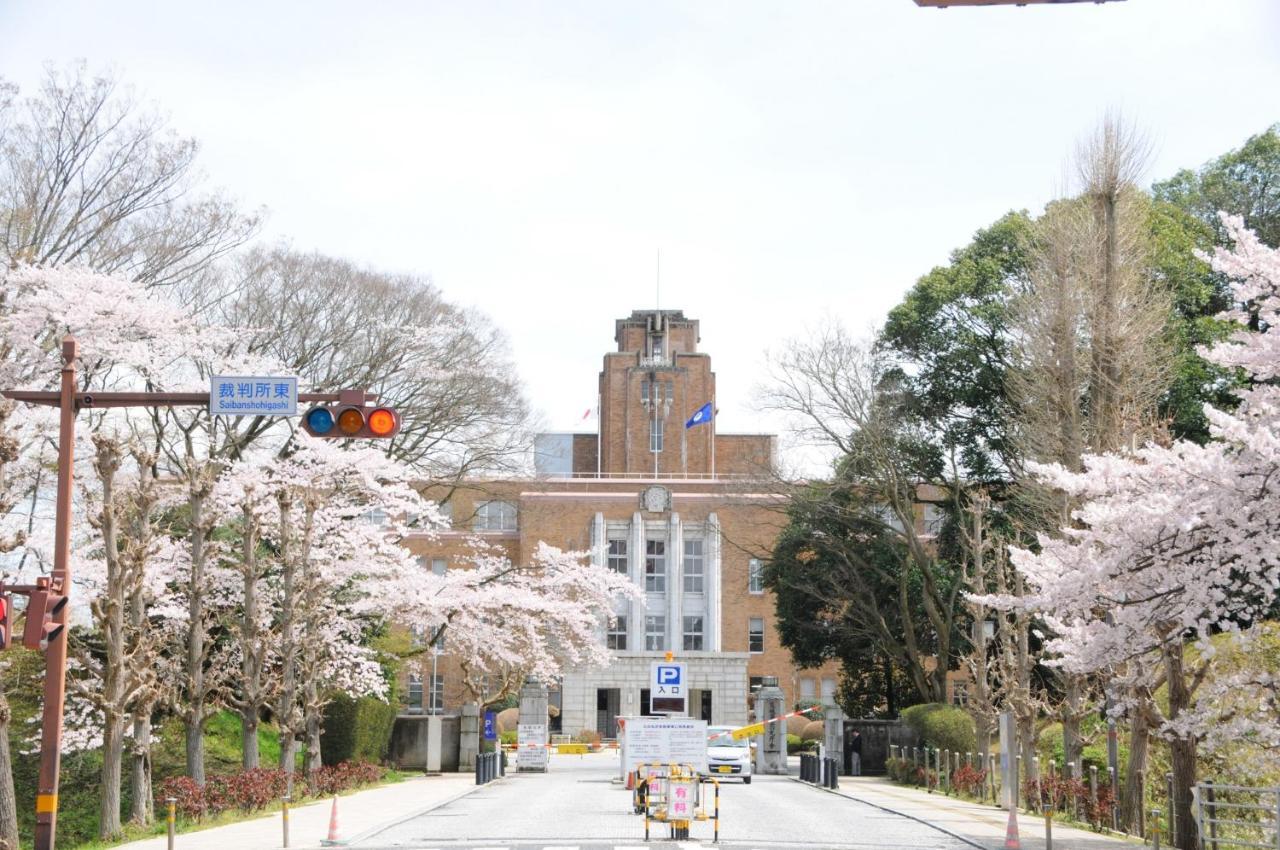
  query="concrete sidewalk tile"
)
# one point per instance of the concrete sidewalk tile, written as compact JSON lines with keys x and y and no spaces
{"x":979,"y":823}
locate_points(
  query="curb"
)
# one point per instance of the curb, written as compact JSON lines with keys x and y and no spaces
{"x":934,"y":826}
{"x":370,"y":833}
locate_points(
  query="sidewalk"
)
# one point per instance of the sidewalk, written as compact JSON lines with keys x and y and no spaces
{"x":982,"y":825}
{"x":357,"y":813}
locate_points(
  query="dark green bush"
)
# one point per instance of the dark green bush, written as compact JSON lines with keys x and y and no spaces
{"x":356,"y":730}
{"x":941,"y":726}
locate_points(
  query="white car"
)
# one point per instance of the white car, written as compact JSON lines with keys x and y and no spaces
{"x":727,"y":757}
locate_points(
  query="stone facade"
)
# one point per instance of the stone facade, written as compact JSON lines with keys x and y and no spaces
{"x":642,"y":497}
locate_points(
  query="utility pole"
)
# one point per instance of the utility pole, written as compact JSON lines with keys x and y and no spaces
{"x":70,"y":403}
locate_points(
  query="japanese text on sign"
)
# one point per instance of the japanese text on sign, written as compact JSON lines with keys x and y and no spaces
{"x":241,"y":395}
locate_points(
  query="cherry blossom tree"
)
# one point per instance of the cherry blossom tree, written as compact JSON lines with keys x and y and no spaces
{"x":1174,"y":544}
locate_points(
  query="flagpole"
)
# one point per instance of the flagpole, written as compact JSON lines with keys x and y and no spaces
{"x":599,"y":429}
{"x":713,"y":436}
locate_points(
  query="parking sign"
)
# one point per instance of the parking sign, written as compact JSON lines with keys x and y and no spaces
{"x":668,"y":689}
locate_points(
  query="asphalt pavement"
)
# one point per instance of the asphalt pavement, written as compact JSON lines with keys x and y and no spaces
{"x":577,"y":805}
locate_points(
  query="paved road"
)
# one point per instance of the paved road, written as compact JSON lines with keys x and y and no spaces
{"x":577,"y":807}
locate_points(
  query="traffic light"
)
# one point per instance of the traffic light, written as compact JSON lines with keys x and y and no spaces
{"x":351,"y":421}
{"x":6,"y":609}
{"x":40,"y":630}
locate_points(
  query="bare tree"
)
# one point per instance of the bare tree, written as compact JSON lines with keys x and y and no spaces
{"x":836,"y":395}
{"x":336,"y":325}
{"x":90,"y":176}
{"x":1091,"y":351}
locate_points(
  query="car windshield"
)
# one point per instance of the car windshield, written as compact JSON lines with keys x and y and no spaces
{"x":718,"y":736}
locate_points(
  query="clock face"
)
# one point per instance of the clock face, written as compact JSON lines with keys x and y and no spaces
{"x":656,"y":499}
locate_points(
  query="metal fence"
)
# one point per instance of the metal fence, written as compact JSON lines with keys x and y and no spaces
{"x":1230,"y":816}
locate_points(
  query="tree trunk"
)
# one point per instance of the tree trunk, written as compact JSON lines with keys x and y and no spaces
{"x":109,"y":784}
{"x":314,"y":760}
{"x":142,"y":807}
{"x":194,"y":719}
{"x":1182,"y":751}
{"x":1131,"y":794}
{"x":8,"y":803}
{"x":1072,"y":748}
{"x":194,"y":725}
{"x":249,"y":739}
{"x":1027,"y":747}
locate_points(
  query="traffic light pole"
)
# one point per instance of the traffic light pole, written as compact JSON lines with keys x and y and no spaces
{"x":69,"y":402}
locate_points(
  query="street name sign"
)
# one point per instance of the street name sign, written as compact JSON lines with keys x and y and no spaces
{"x":253,"y":395}
{"x":667,"y":688}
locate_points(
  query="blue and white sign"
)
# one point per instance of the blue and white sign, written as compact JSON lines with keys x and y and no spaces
{"x":667,"y":691}
{"x":490,"y":726}
{"x":253,"y":395}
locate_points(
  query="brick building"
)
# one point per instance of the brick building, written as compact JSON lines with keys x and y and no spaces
{"x":684,"y":512}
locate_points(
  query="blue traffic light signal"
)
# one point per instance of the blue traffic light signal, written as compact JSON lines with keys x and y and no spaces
{"x":319,"y":421}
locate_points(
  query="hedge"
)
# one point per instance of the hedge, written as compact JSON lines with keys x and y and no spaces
{"x":356,"y":730}
{"x":942,"y":726}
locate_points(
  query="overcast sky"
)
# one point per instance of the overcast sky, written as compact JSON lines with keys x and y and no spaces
{"x":790,"y":160}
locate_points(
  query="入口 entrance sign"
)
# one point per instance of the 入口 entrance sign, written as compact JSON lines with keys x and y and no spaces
{"x":253,"y":395}
{"x":667,"y":688}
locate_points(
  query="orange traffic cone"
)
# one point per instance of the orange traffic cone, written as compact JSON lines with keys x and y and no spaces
{"x":631,"y":780}
{"x":333,"y":839}
{"x":1011,"y":841}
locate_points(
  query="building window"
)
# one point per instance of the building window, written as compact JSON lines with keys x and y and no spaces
{"x":959,"y":693}
{"x":417,"y":637}
{"x":693,"y":633}
{"x":376,"y":517}
{"x":437,"y":693}
{"x":616,"y":637}
{"x":828,"y":691}
{"x":755,"y":635}
{"x":617,"y":558}
{"x":439,"y":566}
{"x":755,"y":576}
{"x":659,"y":392}
{"x":415,"y":692}
{"x":495,"y":516}
{"x":655,"y":566}
{"x":693,"y":575}
{"x":655,"y":434}
{"x":655,"y":633}
{"x":807,"y":690}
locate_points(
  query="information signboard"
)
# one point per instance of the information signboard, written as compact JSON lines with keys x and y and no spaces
{"x":531,"y":746}
{"x":669,"y":740}
{"x":253,"y":395}
{"x":667,"y":688}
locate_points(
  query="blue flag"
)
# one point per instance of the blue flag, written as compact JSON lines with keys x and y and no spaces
{"x":703,"y":414}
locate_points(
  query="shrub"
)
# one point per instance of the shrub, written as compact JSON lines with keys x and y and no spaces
{"x":813,"y":731}
{"x":507,"y":719}
{"x":257,"y":789}
{"x":796,"y":744}
{"x":356,"y":730}
{"x":968,"y":780}
{"x":1068,"y":796}
{"x":508,"y":738}
{"x":587,"y":736}
{"x":941,"y":726}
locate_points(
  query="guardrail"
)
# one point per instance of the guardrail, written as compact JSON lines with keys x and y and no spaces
{"x":1229,"y":816}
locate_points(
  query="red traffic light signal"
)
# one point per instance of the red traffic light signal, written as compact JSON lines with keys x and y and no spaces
{"x":6,"y":612}
{"x":40,"y":630}
{"x":351,"y":421}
